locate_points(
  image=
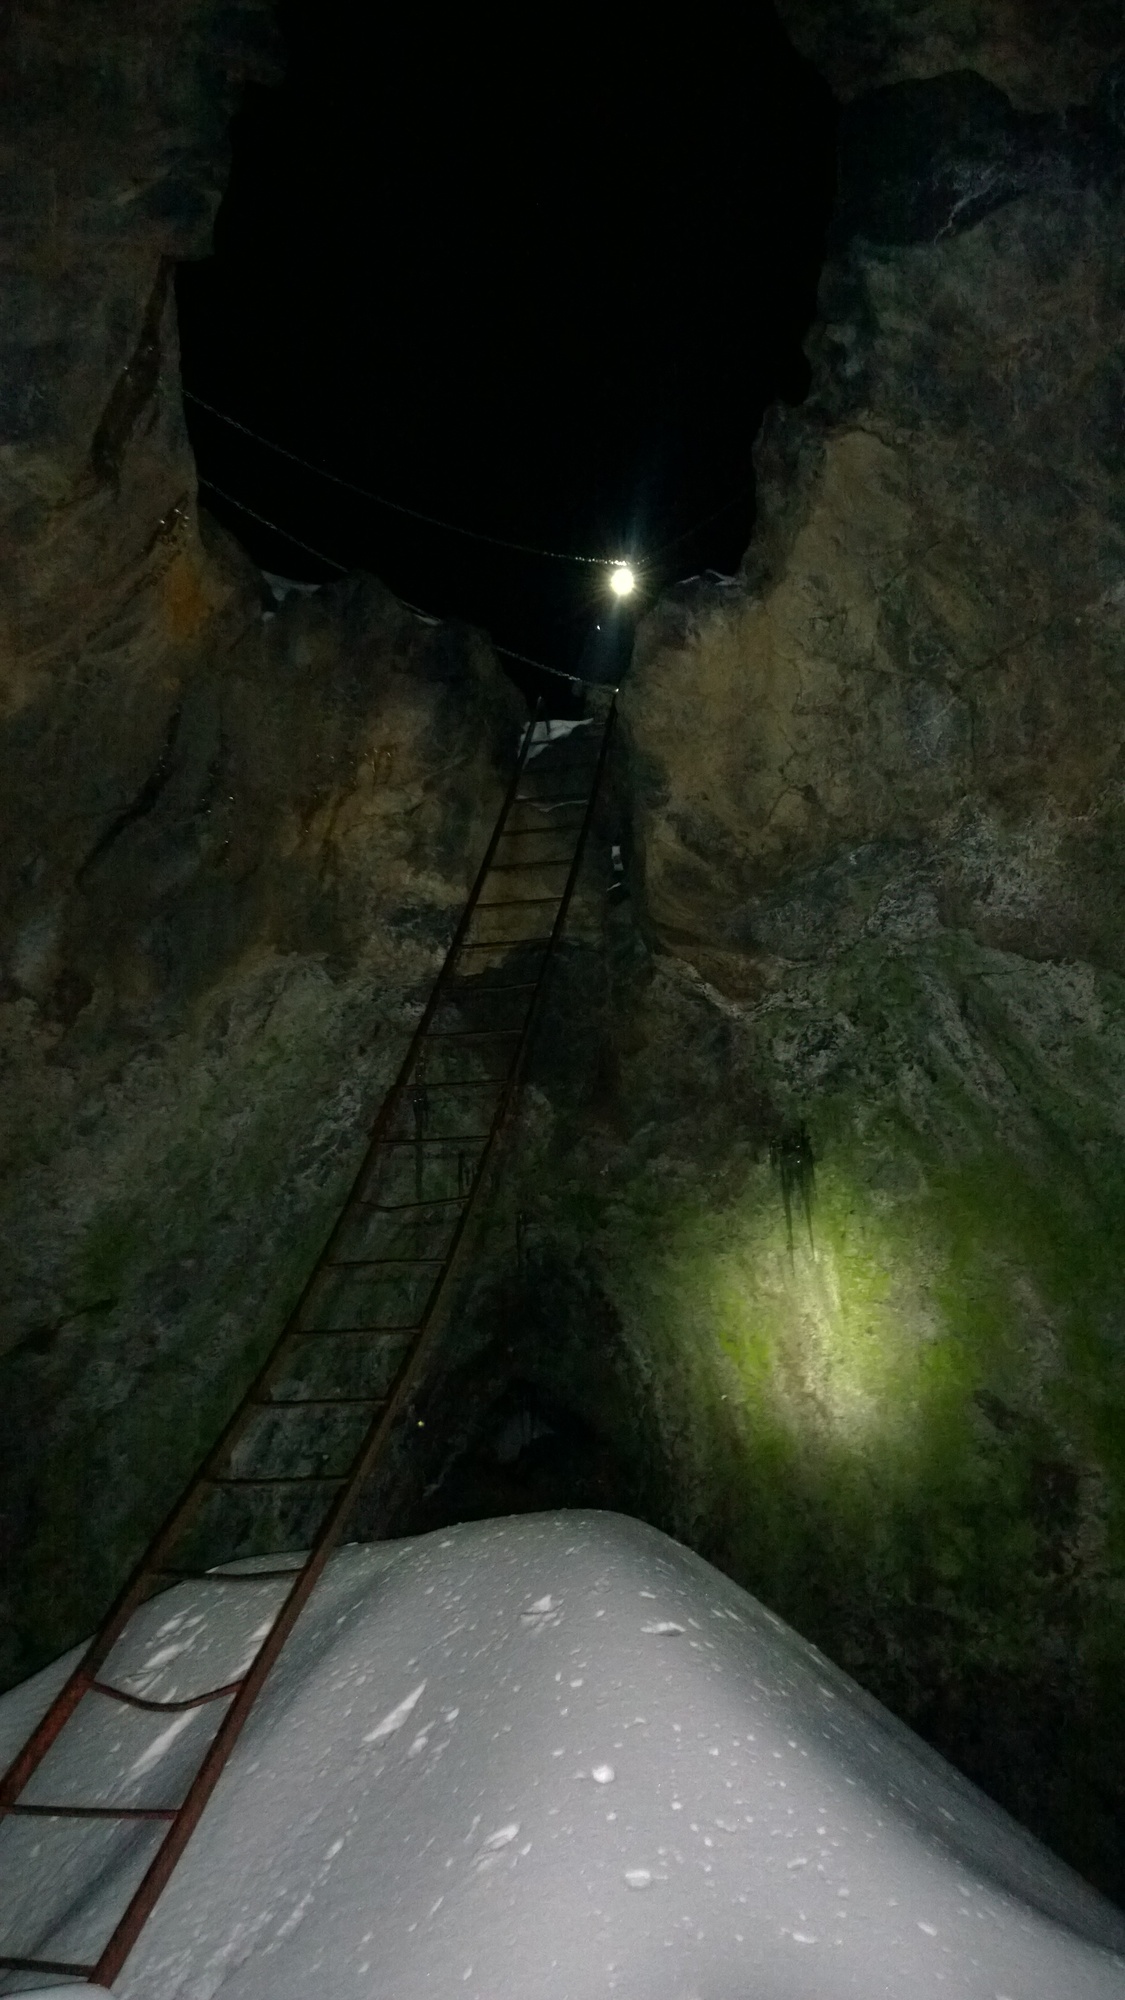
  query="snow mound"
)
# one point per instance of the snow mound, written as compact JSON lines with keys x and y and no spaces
{"x":549,"y":1758}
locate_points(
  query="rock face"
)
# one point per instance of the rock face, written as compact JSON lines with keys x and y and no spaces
{"x":812,"y":1249}
{"x":887,"y":874}
{"x":233,"y":836}
{"x":1045,"y":53}
{"x":115,"y":131}
{"x":838,"y":1176}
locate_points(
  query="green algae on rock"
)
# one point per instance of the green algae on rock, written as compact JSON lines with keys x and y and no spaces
{"x":907,"y":1433}
{"x":874,"y":798}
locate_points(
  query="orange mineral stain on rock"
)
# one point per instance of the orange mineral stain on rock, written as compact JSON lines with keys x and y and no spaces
{"x":185,"y":601}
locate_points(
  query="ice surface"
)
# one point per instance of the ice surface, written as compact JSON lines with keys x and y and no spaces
{"x":550,"y":1758}
{"x":552,"y":729}
{"x":72,"y":1989}
{"x":282,"y":587}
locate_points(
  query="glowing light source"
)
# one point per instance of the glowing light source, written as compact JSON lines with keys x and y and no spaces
{"x":622,"y":580}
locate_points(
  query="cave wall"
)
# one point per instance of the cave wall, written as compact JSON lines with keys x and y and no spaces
{"x":1045,"y":54}
{"x":233,"y":836}
{"x":812,"y":1239}
{"x":826,"y":1152}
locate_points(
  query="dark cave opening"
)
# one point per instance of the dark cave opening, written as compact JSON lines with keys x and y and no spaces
{"x":548,"y":300}
{"x":544,"y":295}
{"x":525,"y":1454}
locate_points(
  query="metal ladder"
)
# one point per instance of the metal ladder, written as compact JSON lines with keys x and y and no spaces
{"x":291,"y":1462}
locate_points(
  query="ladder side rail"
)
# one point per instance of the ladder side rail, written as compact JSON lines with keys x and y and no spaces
{"x":136,"y":1587}
{"x":405,"y":1382}
{"x":568,"y":892}
{"x":152,"y":1884}
{"x":189,"y":1812}
{"x":398,"y":1088}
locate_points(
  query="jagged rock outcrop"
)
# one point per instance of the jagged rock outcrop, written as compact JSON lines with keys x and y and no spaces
{"x":233,"y":837}
{"x":115,"y":124}
{"x":839,"y":1176}
{"x":1044,"y":53}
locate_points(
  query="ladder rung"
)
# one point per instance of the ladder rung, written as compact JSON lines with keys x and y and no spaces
{"x":229,"y":1576}
{"x":472,"y":1034}
{"x":405,"y":1207}
{"x":95,"y":1812}
{"x":192,"y":1701}
{"x":509,"y":867}
{"x":535,"y":832}
{"x":439,"y":1139}
{"x":520,"y":903}
{"x":512,"y":986}
{"x":334,"y":1332}
{"x":465,"y":1082}
{"x":571,"y":768}
{"x":277,"y":1479}
{"x":503,"y":944}
{"x":312,"y":1403}
{"x":60,"y":1965}
{"x":375,"y":1263}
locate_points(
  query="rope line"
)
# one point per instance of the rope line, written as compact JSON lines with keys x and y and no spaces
{"x":434,"y":520}
{"x":743,"y":494}
{"x":557,"y":673}
{"x":210,"y":486}
{"x":396,"y":506}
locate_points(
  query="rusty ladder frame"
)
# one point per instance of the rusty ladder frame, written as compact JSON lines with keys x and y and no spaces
{"x":410,"y":1096}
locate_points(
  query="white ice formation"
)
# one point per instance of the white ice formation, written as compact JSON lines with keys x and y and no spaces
{"x":550,"y":1758}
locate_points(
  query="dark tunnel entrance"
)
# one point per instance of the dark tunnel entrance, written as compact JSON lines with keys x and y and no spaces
{"x":547,"y":300}
{"x":544,"y":294}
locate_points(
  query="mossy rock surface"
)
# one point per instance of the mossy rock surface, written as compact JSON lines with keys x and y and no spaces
{"x":897,"y":1412}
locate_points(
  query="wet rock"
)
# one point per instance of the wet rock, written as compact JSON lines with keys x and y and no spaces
{"x":232,"y":846}
{"x":829,"y":1146}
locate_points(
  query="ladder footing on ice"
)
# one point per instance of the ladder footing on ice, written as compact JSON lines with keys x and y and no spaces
{"x":356,"y":1339}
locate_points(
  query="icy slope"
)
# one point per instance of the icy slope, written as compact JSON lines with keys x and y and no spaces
{"x":552,"y":1759}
